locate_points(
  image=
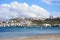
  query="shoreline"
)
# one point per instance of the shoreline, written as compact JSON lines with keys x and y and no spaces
{"x":43,"y":37}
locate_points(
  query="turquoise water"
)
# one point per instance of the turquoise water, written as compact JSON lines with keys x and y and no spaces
{"x":27,"y":31}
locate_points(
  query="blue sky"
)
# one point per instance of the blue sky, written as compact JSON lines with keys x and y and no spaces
{"x":52,"y":6}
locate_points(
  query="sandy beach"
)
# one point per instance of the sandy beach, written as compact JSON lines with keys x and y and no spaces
{"x":44,"y":37}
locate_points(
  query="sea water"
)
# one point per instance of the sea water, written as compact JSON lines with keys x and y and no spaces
{"x":27,"y":31}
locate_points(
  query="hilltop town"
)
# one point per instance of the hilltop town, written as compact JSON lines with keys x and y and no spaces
{"x":29,"y":22}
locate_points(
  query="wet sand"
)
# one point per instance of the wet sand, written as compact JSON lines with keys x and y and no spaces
{"x":44,"y":37}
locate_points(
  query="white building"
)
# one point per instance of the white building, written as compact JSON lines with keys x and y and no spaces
{"x":25,"y":23}
{"x":46,"y":25}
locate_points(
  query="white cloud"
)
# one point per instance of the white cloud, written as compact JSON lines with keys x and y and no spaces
{"x":56,"y":14}
{"x":47,"y":1}
{"x":16,"y":9}
{"x":52,"y":2}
